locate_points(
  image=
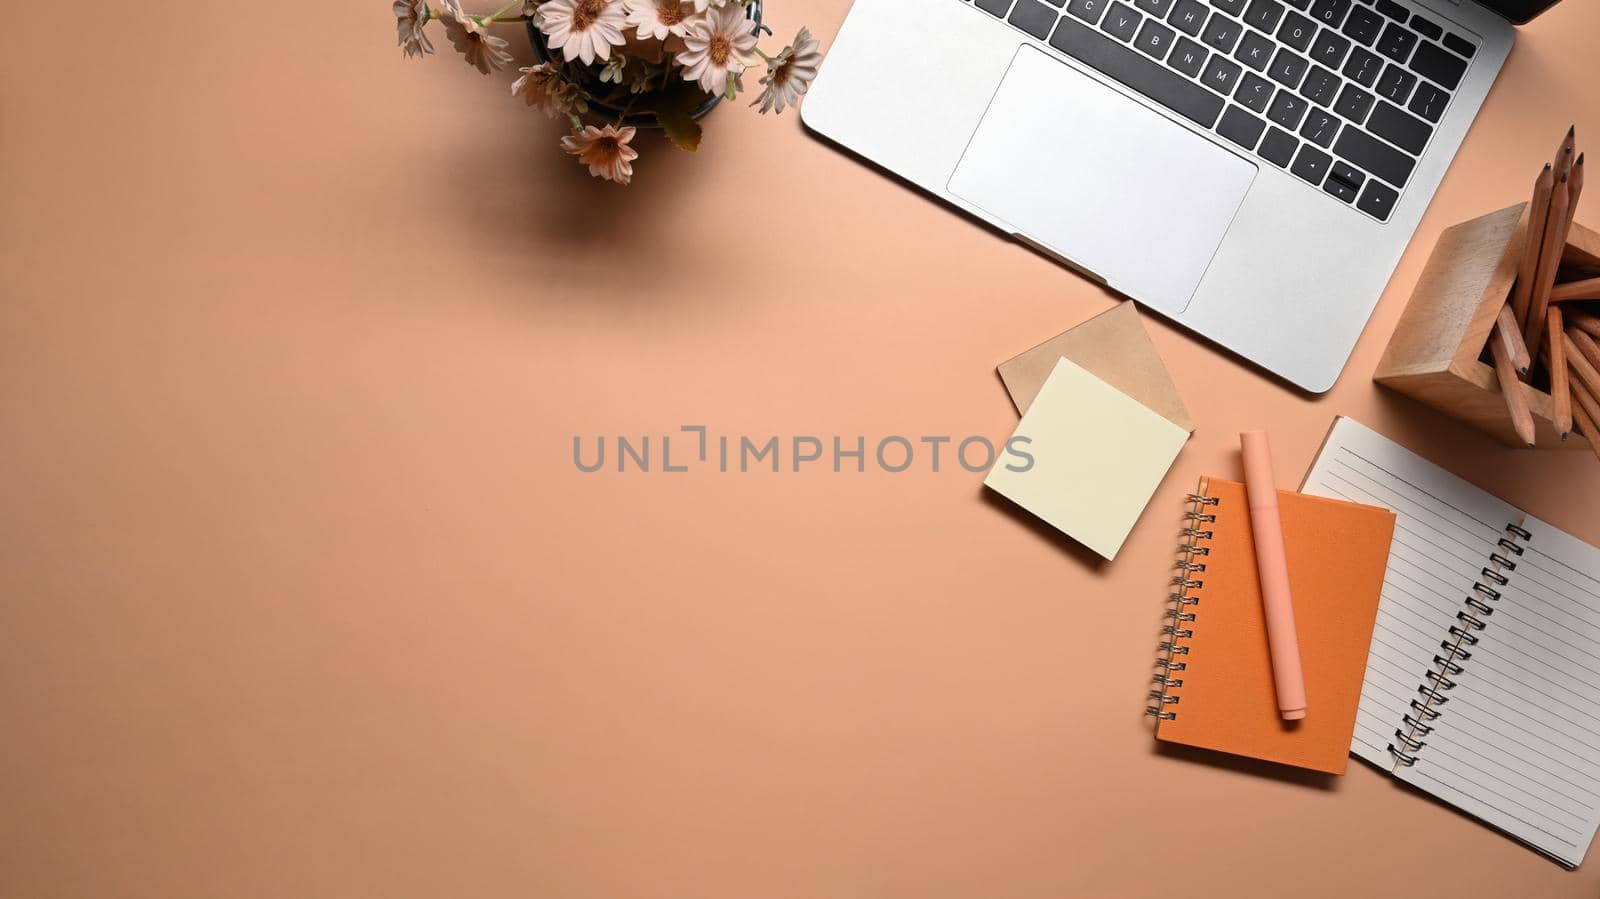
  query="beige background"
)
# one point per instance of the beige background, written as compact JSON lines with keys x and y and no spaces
{"x":302,"y":595}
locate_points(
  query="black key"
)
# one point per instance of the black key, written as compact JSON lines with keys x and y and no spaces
{"x":1330,"y":48}
{"x":1263,"y":14}
{"x":1363,"y":26}
{"x":1320,"y":86}
{"x":1330,"y":12}
{"x":1396,"y":83}
{"x":1378,"y":200}
{"x":1222,"y":32}
{"x":995,"y":7}
{"x":1429,"y":102}
{"x":1338,"y":188}
{"x":1297,"y":31}
{"x":1254,"y":92}
{"x":1278,"y":147}
{"x":1311,"y":164}
{"x":1036,"y":18}
{"x":1434,"y":63}
{"x":1155,"y":39}
{"x":1393,"y":10}
{"x":1397,"y":42}
{"x":1188,"y":16}
{"x":1354,"y":103}
{"x":1157,"y":8}
{"x":1241,"y":127}
{"x":1351,"y":176}
{"x":1287,"y":110}
{"x":1364,"y":151}
{"x":1188,"y":57}
{"x":1363,"y":67}
{"x":1288,"y":69}
{"x":1400,"y":128}
{"x":1426,"y":27}
{"x":1117,"y":62}
{"x":1232,"y":7}
{"x":1255,"y":51}
{"x":1320,"y":127}
{"x":1221,"y":74}
{"x":1459,"y":44}
{"x":1088,"y":10}
{"x":1299,"y":4}
{"x":1122,"y":21}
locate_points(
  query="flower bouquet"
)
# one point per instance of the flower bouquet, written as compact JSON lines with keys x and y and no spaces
{"x":611,"y":67}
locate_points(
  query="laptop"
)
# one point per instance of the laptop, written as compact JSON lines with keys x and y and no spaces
{"x":1251,"y":169}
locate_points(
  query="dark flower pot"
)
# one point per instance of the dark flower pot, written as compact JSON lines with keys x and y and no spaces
{"x":588,"y":78}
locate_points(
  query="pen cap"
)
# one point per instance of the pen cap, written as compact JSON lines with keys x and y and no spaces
{"x":1260,"y":482}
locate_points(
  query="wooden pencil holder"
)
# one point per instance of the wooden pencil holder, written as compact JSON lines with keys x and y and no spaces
{"x":1436,"y":353}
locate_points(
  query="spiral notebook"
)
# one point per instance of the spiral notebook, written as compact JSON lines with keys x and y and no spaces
{"x":1481,"y":686}
{"x":1214,"y":686}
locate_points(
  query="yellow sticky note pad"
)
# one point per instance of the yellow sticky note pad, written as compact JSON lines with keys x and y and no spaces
{"x":1098,"y":456}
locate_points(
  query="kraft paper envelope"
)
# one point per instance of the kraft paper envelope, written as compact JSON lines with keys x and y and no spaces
{"x":1114,"y":347}
{"x":1098,"y":456}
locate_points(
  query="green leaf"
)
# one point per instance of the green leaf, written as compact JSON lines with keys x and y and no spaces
{"x":675,"y":114}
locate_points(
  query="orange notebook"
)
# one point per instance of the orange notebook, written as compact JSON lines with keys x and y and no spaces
{"x":1214,"y":674}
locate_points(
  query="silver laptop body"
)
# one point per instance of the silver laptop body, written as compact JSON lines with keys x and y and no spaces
{"x":1252,"y":169}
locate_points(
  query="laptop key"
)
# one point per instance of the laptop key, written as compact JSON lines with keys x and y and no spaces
{"x":1397,"y":42}
{"x":995,"y":7}
{"x":1157,"y":8}
{"x":1088,"y":10}
{"x":1311,"y":164}
{"x":1458,"y":44}
{"x":1400,"y":128}
{"x":1393,"y":10}
{"x":1363,"y":67}
{"x":1231,"y":7}
{"x":1364,"y":151}
{"x":1330,"y":48}
{"x":1122,"y":21}
{"x":1330,"y":12}
{"x":1363,"y":26}
{"x":1297,"y":31}
{"x":1320,"y":86}
{"x":1320,"y":127}
{"x":1396,"y":83}
{"x":1241,"y":127}
{"x":1255,"y":51}
{"x":1436,"y":64}
{"x":1288,"y":69}
{"x":1336,"y":186}
{"x":1254,"y":92}
{"x":1278,"y":147}
{"x":1037,"y":19}
{"x":1155,"y":39}
{"x":1287,"y":110}
{"x":1222,"y":74}
{"x":1354,"y":103}
{"x":1377,"y":200}
{"x":1188,"y":16}
{"x":1426,"y":27}
{"x":1263,"y":14}
{"x":1123,"y":65}
{"x":1188,"y":57}
{"x":1222,"y":33}
{"x":1429,"y":102}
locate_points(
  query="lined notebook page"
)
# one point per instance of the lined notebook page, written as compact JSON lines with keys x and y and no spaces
{"x":1518,"y":743}
{"x":1445,"y":530}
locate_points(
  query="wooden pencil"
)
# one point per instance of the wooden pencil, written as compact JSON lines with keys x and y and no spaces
{"x":1587,"y":289}
{"x":1586,"y":426}
{"x":1511,"y":392}
{"x":1574,"y":190}
{"x":1565,"y":150}
{"x":1506,"y":328}
{"x":1549,"y":260}
{"x":1583,"y":358}
{"x":1560,"y":392}
{"x":1585,"y":322}
{"x":1585,"y":404}
{"x":1533,"y":245}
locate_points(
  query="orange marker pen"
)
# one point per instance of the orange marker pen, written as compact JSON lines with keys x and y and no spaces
{"x":1273,"y":564}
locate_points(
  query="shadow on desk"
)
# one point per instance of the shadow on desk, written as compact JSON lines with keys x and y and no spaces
{"x":1255,"y":767}
{"x":1091,"y":560}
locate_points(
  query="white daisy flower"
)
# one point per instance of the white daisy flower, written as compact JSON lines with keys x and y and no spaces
{"x":720,"y":44}
{"x":606,"y":151}
{"x":483,"y":50}
{"x":583,"y":29}
{"x":658,"y":18}
{"x":790,"y":73}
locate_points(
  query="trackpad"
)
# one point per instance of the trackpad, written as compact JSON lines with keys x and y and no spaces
{"x":1098,"y":179}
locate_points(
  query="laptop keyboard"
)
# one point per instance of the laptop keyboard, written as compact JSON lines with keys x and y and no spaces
{"x":1344,"y":94}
